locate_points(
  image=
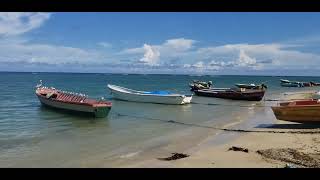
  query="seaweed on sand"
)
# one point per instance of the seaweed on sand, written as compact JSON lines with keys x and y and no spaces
{"x":234,"y":148}
{"x":290,"y":155}
{"x":174,"y":156}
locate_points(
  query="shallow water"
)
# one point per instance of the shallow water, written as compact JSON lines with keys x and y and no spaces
{"x":35,"y":136}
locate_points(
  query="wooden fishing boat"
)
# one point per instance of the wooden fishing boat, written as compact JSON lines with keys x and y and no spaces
{"x":233,"y":93}
{"x":72,"y":102}
{"x":298,"y":111}
{"x":314,"y":83}
{"x":287,"y":83}
{"x":159,"y":97}
{"x":306,"y":84}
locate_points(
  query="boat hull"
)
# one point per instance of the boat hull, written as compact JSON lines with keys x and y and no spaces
{"x":298,"y":114}
{"x":99,"y":111}
{"x":248,"y":96}
{"x":146,"y":98}
{"x":290,"y":85}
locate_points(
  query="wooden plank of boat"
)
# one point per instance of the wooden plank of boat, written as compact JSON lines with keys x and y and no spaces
{"x":247,"y":86}
{"x":60,"y":100}
{"x":298,"y":111}
{"x":159,"y":97}
{"x":234,"y":94}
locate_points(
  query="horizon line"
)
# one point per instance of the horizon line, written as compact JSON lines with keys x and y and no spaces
{"x":179,"y":74}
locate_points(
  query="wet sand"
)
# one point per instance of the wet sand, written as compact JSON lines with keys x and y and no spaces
{"x":265,"y":150}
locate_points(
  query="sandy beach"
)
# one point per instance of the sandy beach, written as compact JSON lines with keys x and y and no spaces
{"x":264,"y":150}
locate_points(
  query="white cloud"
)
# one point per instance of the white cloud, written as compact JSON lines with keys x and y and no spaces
{"x":17,"y":49}
{"x":181,"y":53}
{"x":245,"y":60}
{"x":105,"y":44}
{"x":171,"y":48}
{"x":151,"y":55}
{"x":258,"y":56}
{"x":199,"y":65}
{"x":179,"y":44}
{"x":130,"y":51}
{"x":47,"y":54}
{"x":16,"y":23}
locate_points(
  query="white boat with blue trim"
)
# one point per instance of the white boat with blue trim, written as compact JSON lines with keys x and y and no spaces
{"x":159,"y":97}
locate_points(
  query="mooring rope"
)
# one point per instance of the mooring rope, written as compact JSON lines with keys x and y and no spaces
{"x":217,"y":128}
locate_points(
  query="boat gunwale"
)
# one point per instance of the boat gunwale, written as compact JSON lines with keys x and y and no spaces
{"x":140,"y":92}
{"x":295,"y":106}
{"x":230,"y":90}
{"x":94,"y":105}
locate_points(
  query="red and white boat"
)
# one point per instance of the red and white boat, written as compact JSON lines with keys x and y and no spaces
{"x":73,"y":102}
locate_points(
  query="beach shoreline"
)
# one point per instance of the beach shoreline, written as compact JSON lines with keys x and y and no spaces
{"x":261,"y":147}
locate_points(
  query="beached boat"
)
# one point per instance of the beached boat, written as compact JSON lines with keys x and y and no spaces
{"x":314,"y":83}
{"x":306,"y":84}
{"x":58,"y":99}
{"x":196,"y":85}
{"x":159,"y":97}
{"x":233,"y":93}
{"x":287,"y":83}
{"x":298,"y":111}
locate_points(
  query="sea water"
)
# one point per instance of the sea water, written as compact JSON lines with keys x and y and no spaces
{"x":34,"y":136}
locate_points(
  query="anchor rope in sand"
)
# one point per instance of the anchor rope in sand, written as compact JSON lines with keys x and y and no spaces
{"x":217,"y":128}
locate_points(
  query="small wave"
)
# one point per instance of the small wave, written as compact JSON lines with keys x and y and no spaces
{"x":129,"y":155}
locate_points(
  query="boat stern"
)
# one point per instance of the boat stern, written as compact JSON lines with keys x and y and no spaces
{"x":187,"y":99}
{"x":102,"y":111}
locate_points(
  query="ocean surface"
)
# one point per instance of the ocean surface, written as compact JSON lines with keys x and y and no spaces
{"x":34,"y":136}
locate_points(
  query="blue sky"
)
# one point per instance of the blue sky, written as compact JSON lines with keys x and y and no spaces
{"x":184,"y":43}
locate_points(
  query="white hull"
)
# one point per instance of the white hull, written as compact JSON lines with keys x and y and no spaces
{"x":61,"y":105}
{"x":138,"y":96}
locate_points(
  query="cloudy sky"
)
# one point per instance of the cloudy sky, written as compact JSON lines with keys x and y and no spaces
{"x":183,"y":43}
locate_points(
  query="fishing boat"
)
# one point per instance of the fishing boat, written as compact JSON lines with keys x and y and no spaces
{"x":196,"y":85}
{"x":69,"y":101}
{"x":298,"y":111}
{"x":314,"y":83}
{"x":251,"y":86}
{"x":306,"y":84}
{"x":233,"y":93}
{"x":159,"y":97}
{"x":287,"y":83}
